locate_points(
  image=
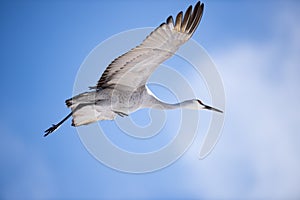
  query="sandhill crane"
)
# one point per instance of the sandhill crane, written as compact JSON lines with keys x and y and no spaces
{"x":122,"y":88}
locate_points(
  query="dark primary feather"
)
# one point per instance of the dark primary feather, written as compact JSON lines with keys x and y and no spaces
{"x":135,"y":67}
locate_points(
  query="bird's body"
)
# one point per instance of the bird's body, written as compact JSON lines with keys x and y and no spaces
{"x":105,"y":104}
{"x":122,"y":88}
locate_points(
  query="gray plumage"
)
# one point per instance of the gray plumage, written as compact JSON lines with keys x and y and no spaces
{"x":122,"y":88}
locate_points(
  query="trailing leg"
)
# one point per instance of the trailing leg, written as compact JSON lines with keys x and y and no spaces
{"x":55,"y":126}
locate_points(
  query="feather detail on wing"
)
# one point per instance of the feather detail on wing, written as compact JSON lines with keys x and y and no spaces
{"x":133,"y":68}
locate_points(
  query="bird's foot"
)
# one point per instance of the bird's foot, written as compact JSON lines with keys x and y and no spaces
{"x":120,"y":113}
{"x":51,"y":129}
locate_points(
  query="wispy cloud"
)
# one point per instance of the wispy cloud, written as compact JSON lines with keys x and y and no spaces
{"x":25,"y":174}
{"x":258,"y":154}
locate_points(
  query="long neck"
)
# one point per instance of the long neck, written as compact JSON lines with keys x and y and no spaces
{"x":150,"y":101}
{"x":189,"y":104}
{"x":153,"y":102}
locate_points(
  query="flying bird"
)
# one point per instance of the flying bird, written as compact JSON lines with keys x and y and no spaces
{"x":122,"y":89}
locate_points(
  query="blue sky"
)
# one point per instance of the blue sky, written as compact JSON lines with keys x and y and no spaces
{"x":255,"y":46}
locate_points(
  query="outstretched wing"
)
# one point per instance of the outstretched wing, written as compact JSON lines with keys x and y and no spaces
{"x":133,"y":68}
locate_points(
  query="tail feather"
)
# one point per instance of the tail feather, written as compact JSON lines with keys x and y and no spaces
{"x":87,"y":97}
{"x":69,"y":102}
{"x":84,"y":115}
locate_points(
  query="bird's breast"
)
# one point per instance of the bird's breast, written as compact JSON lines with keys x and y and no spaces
{"x":126,"y":101}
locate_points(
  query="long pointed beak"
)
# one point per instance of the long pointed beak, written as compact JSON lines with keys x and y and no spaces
{"x":213,"y":109}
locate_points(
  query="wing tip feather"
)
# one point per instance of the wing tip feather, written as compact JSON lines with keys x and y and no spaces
{"x":178,"y":21}
{"x":188,"y":22}
{"x":198,"y":10}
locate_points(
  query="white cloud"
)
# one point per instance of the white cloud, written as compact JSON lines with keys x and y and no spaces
{"x":258,"y":153}
{"x":25,"y":173}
